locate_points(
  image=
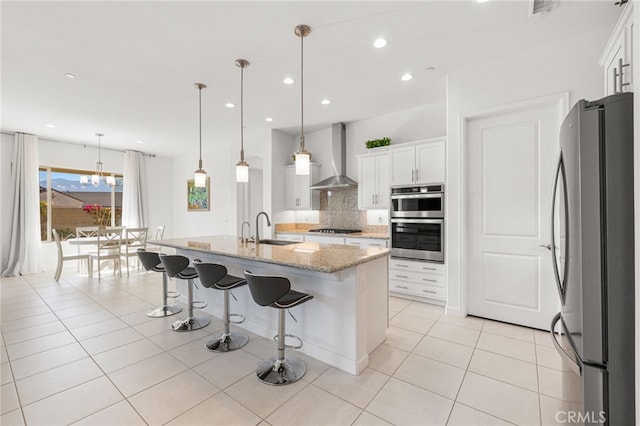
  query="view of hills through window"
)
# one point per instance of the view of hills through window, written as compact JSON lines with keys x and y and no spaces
{"x":76,"y":204}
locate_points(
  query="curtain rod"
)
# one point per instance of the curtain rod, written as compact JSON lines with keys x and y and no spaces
{"x":84,"y":145}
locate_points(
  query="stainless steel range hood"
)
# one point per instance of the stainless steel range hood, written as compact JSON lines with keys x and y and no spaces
{"x":338,"y":148}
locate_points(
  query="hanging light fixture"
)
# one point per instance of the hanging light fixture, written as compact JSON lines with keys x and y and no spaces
{"x":242,"y":168}
{"x":200,"y":178}
{"x":302,"y":156}
{"x":99,"y":175}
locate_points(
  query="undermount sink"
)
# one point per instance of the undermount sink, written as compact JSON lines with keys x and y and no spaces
{"x":278,"y":242}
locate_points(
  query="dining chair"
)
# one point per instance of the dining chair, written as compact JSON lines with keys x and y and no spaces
{"x":62,"y":257}
{"x":159,"y":235}
{"x":109,"y":247}
{"x":84,"y":232}
{"x":134,"y":239}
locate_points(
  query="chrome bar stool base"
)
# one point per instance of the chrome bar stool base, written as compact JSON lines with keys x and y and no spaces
{"x":164,"y":311}
{"x":227,"y":342}
{"x":281,"y":372}
{"x":190,"y":323}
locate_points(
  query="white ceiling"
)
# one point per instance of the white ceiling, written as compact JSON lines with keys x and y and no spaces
{"x":136,"y":62}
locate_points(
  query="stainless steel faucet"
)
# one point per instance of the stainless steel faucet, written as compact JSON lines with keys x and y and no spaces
{"x":258,"y":229}
{"x":242,"y":238}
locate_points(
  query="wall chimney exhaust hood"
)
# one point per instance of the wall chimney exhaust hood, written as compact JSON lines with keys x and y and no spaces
{"x":338,"y":151}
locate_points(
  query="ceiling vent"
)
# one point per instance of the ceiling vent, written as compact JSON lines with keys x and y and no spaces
{"x":540,"y":7}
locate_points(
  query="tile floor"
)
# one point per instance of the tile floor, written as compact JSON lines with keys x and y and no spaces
{"x":84,"y":353}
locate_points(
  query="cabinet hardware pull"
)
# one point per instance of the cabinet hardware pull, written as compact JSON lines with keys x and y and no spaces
{"x":413,"y":172}
{"x":372,"y":199}
{"x":402,"y":266}
{"x":429,"y":291}
{"x":428,"y":269}
{"x":402,"y":276}
{"x":428,"y":280}
{"x":402,"y":286}
{"x":417,"y":175}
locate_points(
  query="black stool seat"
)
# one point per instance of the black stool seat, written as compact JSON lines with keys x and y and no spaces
{"x":275,"y":292}
{"x":213,"y":275}
{"x":178,"y":266}
{"x":151,"y":262}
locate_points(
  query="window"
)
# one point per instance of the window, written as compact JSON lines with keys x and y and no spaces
{"x":67,"y":203}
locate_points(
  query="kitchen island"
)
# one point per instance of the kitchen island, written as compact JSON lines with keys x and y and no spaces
{"x":344,"y":322}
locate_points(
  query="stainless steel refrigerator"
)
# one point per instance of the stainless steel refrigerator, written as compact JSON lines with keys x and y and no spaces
{"x":593,"y":258}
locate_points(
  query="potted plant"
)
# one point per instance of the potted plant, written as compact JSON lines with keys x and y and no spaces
{"x":375,"y":143}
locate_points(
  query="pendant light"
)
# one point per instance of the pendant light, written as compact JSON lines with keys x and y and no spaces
{"x":242,"y":168}
{"x":302,"y":156}
{"x":200,"y":178}
{"x":99,"y":175}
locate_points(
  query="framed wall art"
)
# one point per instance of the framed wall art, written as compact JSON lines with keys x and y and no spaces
{"x":197,"y":198}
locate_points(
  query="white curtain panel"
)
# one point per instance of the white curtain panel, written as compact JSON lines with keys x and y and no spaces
{"x":21,"y":241}
{"x":134,"y":200}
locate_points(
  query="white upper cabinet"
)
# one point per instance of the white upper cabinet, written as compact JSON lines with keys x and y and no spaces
{"x":373,"y":181}
{"x":617,"y":58}
{"x":417,"y":163}
{"x":298,"y":196}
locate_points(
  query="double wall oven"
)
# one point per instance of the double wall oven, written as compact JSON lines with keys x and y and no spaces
{"x":417,"y":222}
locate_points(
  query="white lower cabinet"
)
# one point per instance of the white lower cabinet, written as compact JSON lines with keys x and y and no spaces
{"x":366,"y":242}
{"x":290,"y":237}
{"x":321,"y":239}
{"x":424,"y":281}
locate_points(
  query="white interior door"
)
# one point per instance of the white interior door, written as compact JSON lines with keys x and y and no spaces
{"x":511,"y":162}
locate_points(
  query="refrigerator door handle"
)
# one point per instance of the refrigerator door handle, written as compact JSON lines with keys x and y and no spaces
{"x":574,"y":366}
{"x":560,"y":179}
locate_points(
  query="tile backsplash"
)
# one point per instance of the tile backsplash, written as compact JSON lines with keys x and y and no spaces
{"x":339,"y":209}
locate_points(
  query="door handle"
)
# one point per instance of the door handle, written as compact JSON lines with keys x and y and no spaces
{"x":547,"y":246}
{"x":575,"y":367}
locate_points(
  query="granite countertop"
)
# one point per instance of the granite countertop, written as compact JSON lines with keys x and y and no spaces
{"x":380,"y":235}
{"x":327,"y":258}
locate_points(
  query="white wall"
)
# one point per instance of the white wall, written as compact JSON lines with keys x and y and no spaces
{"x":566,"y":65}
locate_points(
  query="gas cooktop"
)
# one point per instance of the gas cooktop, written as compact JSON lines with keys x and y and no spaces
{"x":335,"y":231}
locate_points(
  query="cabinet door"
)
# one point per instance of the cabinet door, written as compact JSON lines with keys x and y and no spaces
{"x":629,"y":53}
{"x":402,"y":165}
{"x":430,"y":163}
{"x":382,"y":192}
{"x":291,"y":188}
{"x":611,"y":82}
{"x":367,"y":182}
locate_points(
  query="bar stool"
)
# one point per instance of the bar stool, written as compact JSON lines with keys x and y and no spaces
{"x":213,"y":275}
{"x":178,"y":266}
{"x":275,"y":292}
{"x":151,"y":262}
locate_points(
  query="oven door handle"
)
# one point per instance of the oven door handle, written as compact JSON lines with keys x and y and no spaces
{"x":414,"y":196}
{"x":434,"y":221}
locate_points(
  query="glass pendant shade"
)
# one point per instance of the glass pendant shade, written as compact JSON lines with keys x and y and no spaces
{"x":84,"y":179}
{"x":302,"y":162}
{"x":200,"y":179}
{"x":111,"y":181}
{"x":95,"y":180}
{"x":242,"y":172}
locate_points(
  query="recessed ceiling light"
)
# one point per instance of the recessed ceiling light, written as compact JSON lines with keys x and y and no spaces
{"x":288,"y":80}
{"x":379,"y":43}
{"x":407,"y":77}
{"x":481,"y":1}
{"x":269,"y":119}
{"x":229,"y":105}
{"x":325,"y":102}
{"x":50,"y":125}
{"x":69,"y":75}
{"x":140,"y":142}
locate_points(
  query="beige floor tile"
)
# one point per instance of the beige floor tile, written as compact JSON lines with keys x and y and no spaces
{"x":455,"y":334}
{"x":194,"y":353}
{"x":3,"y":354}
{"x":170,"y":339}
{"x":386,"y":359}
{"x":509,"y":370}
{"x":87,"y":319}
{"x":500,"y":399}
{"x":12,"y":418}
{"x":368,"y":419}
{"x":555,"y":412}
{"x":8,"y":398}
{"x":401,"y":403}
{"x":80,"y":310}
{"x":261,"y":398}
{"x":42,"y":385}
{"x":396,"y":304}
{"x":557,"y":384}
{"x":174,"y":396}
{"x":22,"y":303}
{"x":548,"y":356}
{"x":261,"y":347}
{"x":73,"y":404}
{"x":220,"y":409}
{"x":23,"y":313}
{"x":119,"y":414}
{"x":126,"y":355}
{"x":42,"y":361}
{"x":509,"y":330}
{"x":6,"y":376}
{"x":444,"y":351}
{"x":402,"y":339}
{"x":98,"y":328}
{"x":132,"y":308}
{"x":358,"y":390}
{"x":144,"y":374}
{"x":506,"y":346}
{"x":34,"y":332}
{"x":542,"y":338}
{"x":314,"y":367}
{"x":426,"y":310}
{"x":70,"y":304}
{"x":228,"y":368}
{"x":473,"y":323}
{"x":157,"y":326}
{"x":313,"y":406}
{"x":138,"y":318}
{"x":431,"y":375}
{"x":461,"y":415}
{"x":109,"y":341}
{"x":412,"y":323}
{"x":28,"y":322}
